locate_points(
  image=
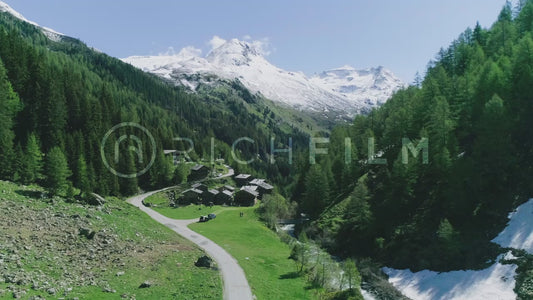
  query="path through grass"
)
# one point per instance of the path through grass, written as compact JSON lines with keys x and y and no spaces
{"x":259,"y":252}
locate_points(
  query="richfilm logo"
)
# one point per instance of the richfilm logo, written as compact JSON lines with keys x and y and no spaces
{"x":128,"y":136}
{"x":126,"y":139}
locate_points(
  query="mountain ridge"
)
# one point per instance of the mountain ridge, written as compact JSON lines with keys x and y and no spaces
{"x":357,"y":92}
{"x":48,"y":32}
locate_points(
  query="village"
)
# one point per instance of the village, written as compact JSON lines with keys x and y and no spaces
{"x":205,"y":186}
{"x":246,"y":192}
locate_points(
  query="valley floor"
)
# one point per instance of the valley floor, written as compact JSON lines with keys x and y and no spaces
{"x":235,"y":284}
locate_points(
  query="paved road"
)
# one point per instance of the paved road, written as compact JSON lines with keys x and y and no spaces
{"x":235,"y":284}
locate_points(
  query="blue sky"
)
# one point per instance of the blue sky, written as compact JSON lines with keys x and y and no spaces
{"x":309,"y":36}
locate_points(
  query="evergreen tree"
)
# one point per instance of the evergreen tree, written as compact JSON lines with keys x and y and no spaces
{"x":351,"y":274}
{"x":161,"y":172}
{"x":180,"y":173}
{"x":9,"y":105}
{"x":317,"y":191}
{"x":128,"y":186}
{"x":81,"y":178}
{"x":32,"y":165}
{"x":56,"y":171}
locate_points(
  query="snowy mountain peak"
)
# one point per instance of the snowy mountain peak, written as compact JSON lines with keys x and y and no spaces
{"x":50,"y":33}
{"x":4,"y":7}
{"x":372,"y":86}
{"x":233,"y":52}
{"x":344,"y":90}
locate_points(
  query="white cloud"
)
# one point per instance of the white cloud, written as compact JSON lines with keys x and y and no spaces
{"x":170,"y":51}
{"x":188,"y":51}
{"x":263,"y":46}
{"x":216,"y":42}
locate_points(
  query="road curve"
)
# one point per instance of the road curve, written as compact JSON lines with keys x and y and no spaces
{"x":235,"y":284}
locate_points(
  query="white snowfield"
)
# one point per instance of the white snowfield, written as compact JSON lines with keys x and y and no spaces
{"x":50,"y":33}
{"x":496,"y":282}
{"x":344,"y":89}
{"x":519,"y":231}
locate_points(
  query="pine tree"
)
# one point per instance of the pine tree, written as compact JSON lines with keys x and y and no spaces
{"x":161,"y":172}
{"x":9,"y":105}
{"x":180,"y":173}
{"x":32,"y":166}
{"x":81,"y":179}
{"x":351,"y":274}
{"x":18,"y":164}
{"x":316,"y":194}
{"x":56,"y":171}
{"x":128,"y":186}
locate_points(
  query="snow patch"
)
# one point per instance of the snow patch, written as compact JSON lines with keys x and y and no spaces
{"x":50,"y":33}
{"x":495,"y":282}
{"x":367,"y":295}
{"x":518,"y":233}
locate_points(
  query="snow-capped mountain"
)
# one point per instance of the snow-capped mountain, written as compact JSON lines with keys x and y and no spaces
{"x":371,"y":87}
{"x":344,"y":90}
{"x":50,"y":33}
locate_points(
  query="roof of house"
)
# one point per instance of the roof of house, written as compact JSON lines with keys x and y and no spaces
{"x":197,"y":191}
{"x":228,"y":193}
{"x":196,"y":185}
{"x":169,"y":151}
{"x":257,"y":181}
{"x":213,"y":191}
{"x":198,"y":167}
{"x":251,"y":189}
{"x":262,"y":183}
{"x":265,"y":186}
{"x":243,"y":176}
{"x":229,"y":187}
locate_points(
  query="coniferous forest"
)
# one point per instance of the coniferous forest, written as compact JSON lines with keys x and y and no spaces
{"x":60,"y":98}
{"x":473,"y":106}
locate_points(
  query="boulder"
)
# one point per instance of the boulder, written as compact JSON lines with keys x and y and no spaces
{"x":93,"y":199}
{"x":89,"y":234}
{"x":204,"y":262}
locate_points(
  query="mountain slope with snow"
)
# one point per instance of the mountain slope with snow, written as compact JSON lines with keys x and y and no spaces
{"x":50,"y":33}
{"x":369,"y":86}
{"x":495,"y":282}
{"x":343,"y":90}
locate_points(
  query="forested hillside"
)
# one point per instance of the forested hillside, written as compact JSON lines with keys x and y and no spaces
{"x":58,"y":100}
{"x":474,"y":106}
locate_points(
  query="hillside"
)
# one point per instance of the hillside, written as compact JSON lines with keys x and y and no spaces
{"x":64,"y":94}
{"x":441,"y":209}
{"x":52,"y":247}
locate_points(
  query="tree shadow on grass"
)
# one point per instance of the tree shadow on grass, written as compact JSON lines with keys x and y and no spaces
{"x":31,"y":194}
{"x":312,"y":286}
{"x":290,"y":275}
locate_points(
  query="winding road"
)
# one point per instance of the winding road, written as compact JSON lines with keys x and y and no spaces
{"x":235,"y":284}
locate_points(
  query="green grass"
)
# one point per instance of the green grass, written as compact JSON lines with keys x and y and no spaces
{"x":190,"y":212}
{"x":148,"y":251}
{"x":259,"y":251}
{"x":157,"y":199}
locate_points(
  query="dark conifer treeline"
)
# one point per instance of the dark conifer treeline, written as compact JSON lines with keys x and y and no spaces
{"x":60,"y":98}
{"x":475,"y":106}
